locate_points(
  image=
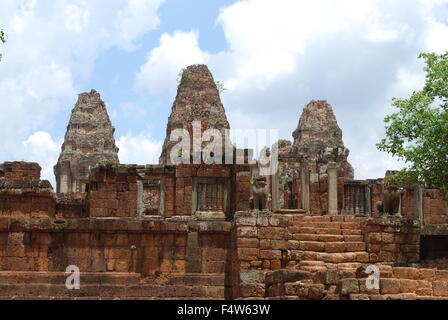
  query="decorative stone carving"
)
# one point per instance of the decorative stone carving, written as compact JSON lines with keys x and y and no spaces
{"x":390,"y":201}
{"x":390,"y":197}
{"x":260,"y":193}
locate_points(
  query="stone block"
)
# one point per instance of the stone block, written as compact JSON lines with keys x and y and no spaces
{"x":248,"y":243}
{"x":247,"y":232}
{"x":406,"y":273}
{"x":440,"y":288}
{"x":348,"y":286}
{"x":389,"y":286}
{"x":248,"y":290}
{"x":252,"y":276}
{"x":249,"y":254}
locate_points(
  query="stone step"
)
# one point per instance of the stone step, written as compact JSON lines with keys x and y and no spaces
{"x":344,"y":257}
{"x":144,"y":291}
{"x":360,"y":256}
{"x":331,"y":225}
{"x":395,"y":286}
{"x":400,"y":296}
{"x":311,"y":230}
{"x":130,"y":298}
{"x":31,"y":277}
{"x":328,"y":237}
{"x":331,"y":247}
{"x":325,"y":231}
{"x":339,"y":218}
{"x":348,"y":268}
{"x":25,"y":277}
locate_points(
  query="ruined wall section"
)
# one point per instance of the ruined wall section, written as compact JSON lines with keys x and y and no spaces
{"x":22,"y":193}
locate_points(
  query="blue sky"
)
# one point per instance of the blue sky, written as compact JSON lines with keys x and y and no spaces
{"x":115,"y":80}
{"x":274,"y":56}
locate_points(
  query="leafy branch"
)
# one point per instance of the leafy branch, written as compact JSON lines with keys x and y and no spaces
{"x":418,"y":132}
{"x":2,"y":40}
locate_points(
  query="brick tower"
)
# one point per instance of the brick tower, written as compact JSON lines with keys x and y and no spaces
{"x":89,"y":141}
{"x":197,"y":100}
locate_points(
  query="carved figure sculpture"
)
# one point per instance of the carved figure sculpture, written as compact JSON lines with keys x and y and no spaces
{"x":260,"y":193}
{"x":390,"y":200}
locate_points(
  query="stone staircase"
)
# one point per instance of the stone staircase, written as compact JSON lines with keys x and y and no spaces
{"x":328,"y":242}
{"x":396,"y":283}
{"x":109,"y":286}
{"x":399,"y":283}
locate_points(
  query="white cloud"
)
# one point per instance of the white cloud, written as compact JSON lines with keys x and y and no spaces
{"x":139,"y":149}
{"x":40,"y":147}
{"x":438,"y":36}
{"x":282,"y":54}
{"x":51,"y":43}
{"x":355,"y":54}
{"x":164,"y":63}
{"x":75,"y":17}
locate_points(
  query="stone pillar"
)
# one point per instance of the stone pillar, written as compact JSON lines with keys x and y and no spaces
{"x":332,"y":170}
{"x":305,"y":186}
{"x":275,"y":192}
{"x":193,"y":253}
{"x":368,"y":201}
{"x":418,"y":195}
{"x":400,"y":203}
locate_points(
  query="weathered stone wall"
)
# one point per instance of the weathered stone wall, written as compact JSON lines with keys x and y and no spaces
{"x":112,"y":192}
{"x":23,"y":194}
{"x":392,"y":240}
{"x":435,"y":208}
{"x":113,"y":245}
{"x":102,"y":232}
{"x":20,"y":171}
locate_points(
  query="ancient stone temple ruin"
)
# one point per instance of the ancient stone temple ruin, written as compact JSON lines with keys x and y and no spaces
{"x":89,"y":141}
{"x":193,"y":230}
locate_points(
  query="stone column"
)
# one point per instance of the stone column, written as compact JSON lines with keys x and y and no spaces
{"x":305,"y":186}
{"x":275,"y":192}
{"x":368,"y":201}
{"x":400,"y":203}
{"x":418,"y":195}
{"x":193,"y":254}
{"x":332,"y":170}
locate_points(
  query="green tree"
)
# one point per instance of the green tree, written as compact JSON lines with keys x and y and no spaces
{"x":2,"y":40}
{"x":182,"y":77}
{"x":418,"y":132}
{"x":221,"y":87}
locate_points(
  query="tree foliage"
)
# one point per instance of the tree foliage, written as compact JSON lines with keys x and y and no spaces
{"x":2,"y":40}
{"x":418,"y":132}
